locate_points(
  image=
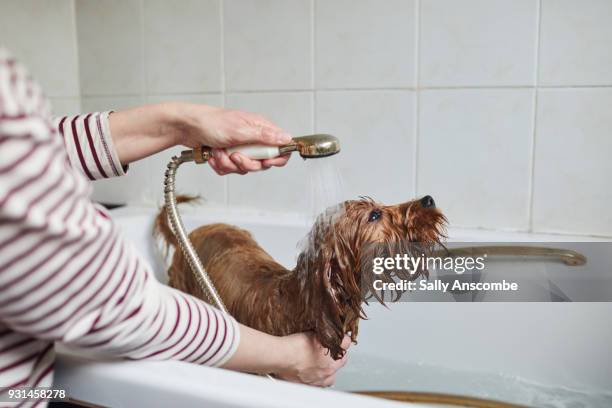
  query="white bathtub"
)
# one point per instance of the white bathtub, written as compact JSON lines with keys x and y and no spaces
{"x":538,"y":354}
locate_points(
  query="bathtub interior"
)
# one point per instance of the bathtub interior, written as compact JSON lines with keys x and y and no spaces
{"x":537,"y":354}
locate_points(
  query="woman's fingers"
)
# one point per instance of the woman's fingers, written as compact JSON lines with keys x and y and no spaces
{"x":346,"y":342}
{"x":279,"y":161}
{"x":222,"y":164}
{"x":244,"y":163}
{"x":329,"y":381}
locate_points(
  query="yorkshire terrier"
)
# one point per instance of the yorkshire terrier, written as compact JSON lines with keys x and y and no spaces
{"x":325,"y":292}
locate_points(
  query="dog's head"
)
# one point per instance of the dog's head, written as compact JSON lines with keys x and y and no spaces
{"x":342,"y":242}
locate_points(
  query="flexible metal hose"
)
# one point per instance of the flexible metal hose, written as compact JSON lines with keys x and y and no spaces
{"x":176,"y":223}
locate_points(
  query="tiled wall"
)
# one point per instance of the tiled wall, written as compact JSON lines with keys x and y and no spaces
{"x":500,"y":109}
{"x":43,"y":35}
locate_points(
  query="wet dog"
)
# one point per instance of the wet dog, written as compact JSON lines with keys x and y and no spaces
{"x":325,"y":292}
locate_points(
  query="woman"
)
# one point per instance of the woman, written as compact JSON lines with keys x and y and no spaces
{"x":67,"y":275}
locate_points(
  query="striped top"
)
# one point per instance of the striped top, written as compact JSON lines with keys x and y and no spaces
{"x":66,"y":273}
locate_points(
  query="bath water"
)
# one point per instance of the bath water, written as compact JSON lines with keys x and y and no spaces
{"x":372,"y":373}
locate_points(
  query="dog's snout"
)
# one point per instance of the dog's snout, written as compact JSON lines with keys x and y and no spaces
{"x":428,"y":202}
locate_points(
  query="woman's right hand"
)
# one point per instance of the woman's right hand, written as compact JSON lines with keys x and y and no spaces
{"x":308,"y":362}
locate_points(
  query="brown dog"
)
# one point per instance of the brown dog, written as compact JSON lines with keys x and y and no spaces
{"x":324,"y":292}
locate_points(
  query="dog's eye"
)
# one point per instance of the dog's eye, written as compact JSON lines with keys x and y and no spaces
{"x":374,"y":215}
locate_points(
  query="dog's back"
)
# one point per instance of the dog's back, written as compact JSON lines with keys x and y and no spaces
{"x":230,"y":255}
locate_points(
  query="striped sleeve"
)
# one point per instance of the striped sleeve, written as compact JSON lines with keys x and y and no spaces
{"x":66,"y":273}
{"x":89,"y":145}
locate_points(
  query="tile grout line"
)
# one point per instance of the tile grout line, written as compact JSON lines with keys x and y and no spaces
{"x":313,"y":50}
{"x":76,"y":51}
{"x":531,"y":192}
{"x":398,"y":89}
{"x":417,"y":97}
{"x":226,"y":183}
{"x":148,"y":195}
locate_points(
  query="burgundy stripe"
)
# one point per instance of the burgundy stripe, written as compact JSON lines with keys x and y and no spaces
{"x":46,"y":239}
{"x":62,"y":288}
{"x":19,"y":362}
{"x":220,"y":344}
{"x":181,"y":338}
{"x":51,"y":255}
{"x":114,"y":336}
{"x":77,"y":308}
{"x":17,"y":116}
{"x":44,"y":261}
{"x":52,"y":186}
{"x":44,"y":373}
{"x":15,"y":136}
{"x":14,"y":385}
{"x":97,"y":329}
{"x":48,"y":370}
{"x":233,"y":339}
{"x":110,"y":274}
{"x":22,"y":159}
{"x":203,"y":338}
{"x":127,"y":290}
{"x":94,"y":153}
{"x":20,"y":220}
{"x":161,"y":325}
{"x":17,"y":344}
{"x":176,"y":323}
{"x":213,"y":339}
{"x":61,"y":125}
{"x":25,"y":183}
{"x":109,"y":157}
{"x":197,"y":330}
{"x":78,"y":148}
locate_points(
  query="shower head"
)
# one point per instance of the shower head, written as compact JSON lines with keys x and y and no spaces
{"x":309,"y":147}
{"x":313,"y":146}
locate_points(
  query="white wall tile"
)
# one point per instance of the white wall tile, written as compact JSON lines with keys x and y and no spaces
{"x":65,"y":106}
{"x":182,"y":46}
{"x":267,"y":44}
{"x":42,"y":36}
{"x":191,"y":178}
{"x":576,"y":43}
{"x":276,"y":189}
{"x":110,"y":47}
{"x":474,"y":155}
{"x":478,"y":42}
{"x":573,"y":170}
{"x":107,"y":103}
{"x":376,"y":132}
{"x":365,"y":43}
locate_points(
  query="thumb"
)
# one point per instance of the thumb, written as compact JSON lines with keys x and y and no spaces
{"x":273,"y":136}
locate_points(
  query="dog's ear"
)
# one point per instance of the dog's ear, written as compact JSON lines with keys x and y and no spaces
{"x":338,"y":298}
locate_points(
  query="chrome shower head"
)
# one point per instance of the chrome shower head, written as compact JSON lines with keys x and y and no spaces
{"x":313,"y":146}
{"x":309,"y":147}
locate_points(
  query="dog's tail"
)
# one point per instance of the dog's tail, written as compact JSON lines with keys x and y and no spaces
{"x":162,"y":230}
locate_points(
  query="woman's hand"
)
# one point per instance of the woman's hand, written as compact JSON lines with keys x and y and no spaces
{"x":145,"y":130}
{"x":218,"y":127}
{"x":298,"y":357}
{"x":309,"y":363}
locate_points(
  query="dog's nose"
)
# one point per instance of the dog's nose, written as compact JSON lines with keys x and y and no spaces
{"x":428,"y":202}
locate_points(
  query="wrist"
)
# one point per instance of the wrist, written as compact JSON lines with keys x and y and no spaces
{"x":287,"y":354}
{"x":172,"y":121}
